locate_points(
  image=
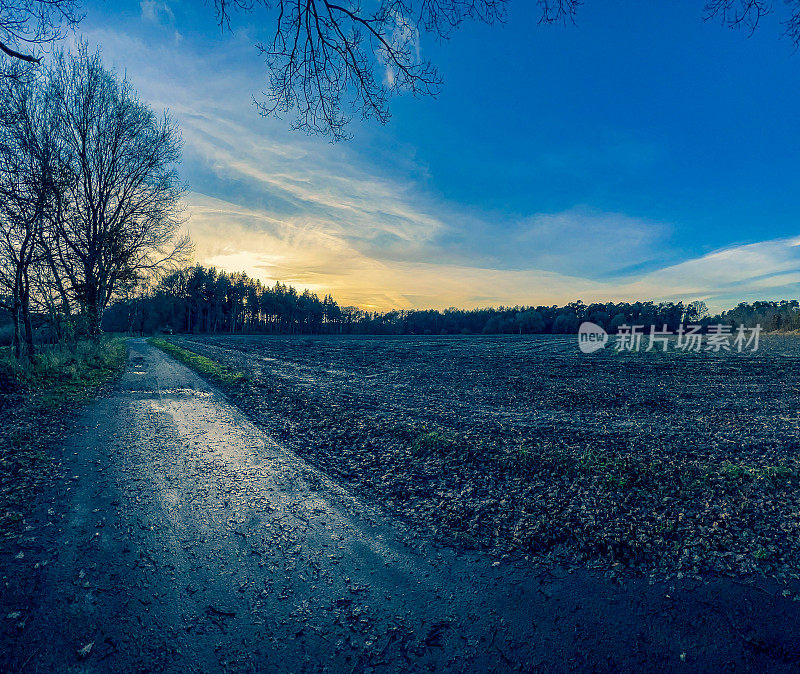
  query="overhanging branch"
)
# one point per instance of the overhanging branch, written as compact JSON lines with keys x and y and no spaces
{"x":18,"y":55}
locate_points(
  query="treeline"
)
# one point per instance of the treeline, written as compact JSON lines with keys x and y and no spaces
{"x":89,"y":197}
{"x":781,"y":316}
{"x":201,"y":300}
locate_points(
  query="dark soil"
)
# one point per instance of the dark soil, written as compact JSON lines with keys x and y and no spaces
{"x":671,"y":464}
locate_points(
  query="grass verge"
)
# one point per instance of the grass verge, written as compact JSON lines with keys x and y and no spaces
{"x":33,"y":400}
{"x":201,"y":364}
{"x":62,"y":373}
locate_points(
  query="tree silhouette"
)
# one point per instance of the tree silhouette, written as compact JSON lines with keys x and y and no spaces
{"x":121,"y":209}
{"x":28,"y":197}
{"x":200,"y":300}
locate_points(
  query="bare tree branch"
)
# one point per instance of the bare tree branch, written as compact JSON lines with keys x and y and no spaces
{"x":28,"y":25}
{"x":555,"y":11}
{"x":738,"y":13}
{"x":18,"y":55}
{"x":329,"y":59}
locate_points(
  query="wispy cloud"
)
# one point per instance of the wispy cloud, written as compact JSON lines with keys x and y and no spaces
{"x":724,"y":277}
{"x":274,"y":249}
{"x":579,"y":241}
{"x":340,"y":197}
{"x":157,"y":12}
{"x":285,"y":207}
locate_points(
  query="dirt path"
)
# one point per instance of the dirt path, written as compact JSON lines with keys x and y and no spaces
{"x":182,"y":539}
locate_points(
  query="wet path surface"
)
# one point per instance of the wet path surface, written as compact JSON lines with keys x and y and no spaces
{"x":183,"y":539}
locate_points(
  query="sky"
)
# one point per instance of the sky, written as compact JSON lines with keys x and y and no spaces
{"x":640,"y":154}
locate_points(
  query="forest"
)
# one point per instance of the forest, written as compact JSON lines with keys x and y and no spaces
{"x":204,"y":300}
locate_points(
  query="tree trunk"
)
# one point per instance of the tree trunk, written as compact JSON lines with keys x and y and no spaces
{"x":26,"y":321}
{"x":25,"y":304}
{"x":95,"y":316}
{"x":16,"y":342}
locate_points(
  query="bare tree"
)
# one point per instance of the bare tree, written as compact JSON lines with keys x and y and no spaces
{"x":27,"y":25}
{"x":28,"y":192}
{"x":119,"y":218}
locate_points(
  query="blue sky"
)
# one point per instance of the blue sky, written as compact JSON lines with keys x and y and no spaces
{"x":640,"y":154}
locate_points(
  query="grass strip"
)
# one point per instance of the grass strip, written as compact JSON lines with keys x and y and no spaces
{"x":201,"y":364}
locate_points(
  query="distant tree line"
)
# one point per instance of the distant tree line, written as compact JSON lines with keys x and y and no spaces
{"x":201,"y":300}
{"x":781,"y":316}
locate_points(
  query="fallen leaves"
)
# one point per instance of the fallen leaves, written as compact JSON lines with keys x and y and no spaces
{"x":85,"y":651}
